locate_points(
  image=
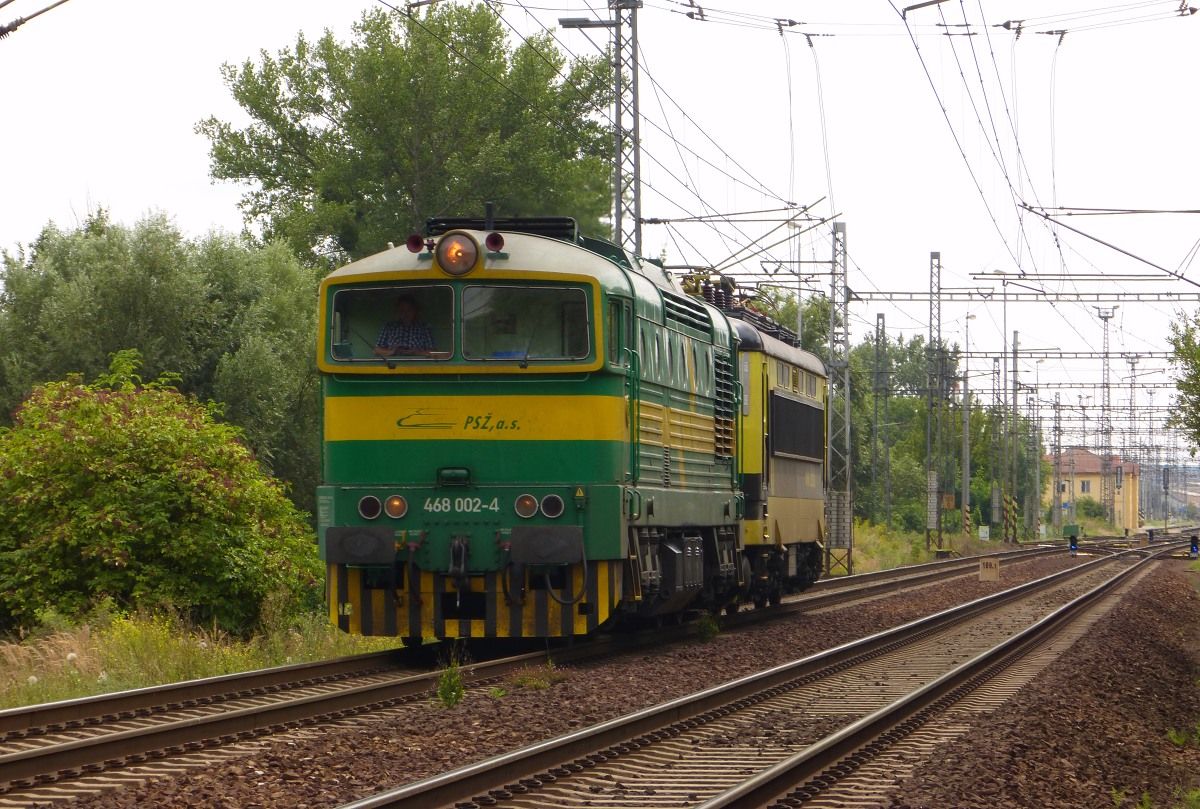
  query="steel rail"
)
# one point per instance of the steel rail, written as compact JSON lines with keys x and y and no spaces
{"x":21,"y":722}
{"x":639,"y":728}
{"x":117,"y":748}
{"x":863,"y":585}
{"x":84,"y":711}
{"x":786,"y":776}
{"x":228,"y":726}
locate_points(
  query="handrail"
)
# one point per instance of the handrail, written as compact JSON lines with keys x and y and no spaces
{"x":633,"y":379}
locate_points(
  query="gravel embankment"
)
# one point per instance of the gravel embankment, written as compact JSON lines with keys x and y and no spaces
{"x":422,"y":739}
{"x":1093,"y":726}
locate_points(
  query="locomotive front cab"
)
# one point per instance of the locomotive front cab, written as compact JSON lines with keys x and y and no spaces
{"x":473,"y":441}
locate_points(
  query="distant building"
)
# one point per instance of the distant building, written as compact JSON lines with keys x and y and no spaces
{"x":1081,"y":475}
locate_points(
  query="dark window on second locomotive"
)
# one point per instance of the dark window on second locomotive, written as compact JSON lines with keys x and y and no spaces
{"x":797,"y":429}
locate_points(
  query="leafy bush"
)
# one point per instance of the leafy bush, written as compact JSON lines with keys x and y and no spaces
{"x":136,"y":493}
{"x":1090,"y":507}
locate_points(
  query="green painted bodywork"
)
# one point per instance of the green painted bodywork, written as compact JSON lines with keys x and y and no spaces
{"x":618,"y":491}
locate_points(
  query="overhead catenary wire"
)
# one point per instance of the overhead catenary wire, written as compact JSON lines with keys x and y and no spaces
{"x":673,"y":232}
{"x":957,"y":141}
{"x":686,"y":185}
{"x":5,"y":30}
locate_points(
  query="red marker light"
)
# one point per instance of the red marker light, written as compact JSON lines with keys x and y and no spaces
{"x":494,"y":242}
{"x":415,"y":243}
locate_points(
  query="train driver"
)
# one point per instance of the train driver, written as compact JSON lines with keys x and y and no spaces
{"x":405,"y":336}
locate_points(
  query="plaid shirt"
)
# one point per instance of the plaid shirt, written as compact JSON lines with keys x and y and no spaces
{"x":398,"y":334}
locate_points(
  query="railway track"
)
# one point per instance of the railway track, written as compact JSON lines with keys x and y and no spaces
{"x":58,"y":742}
{"x":705,"y":748}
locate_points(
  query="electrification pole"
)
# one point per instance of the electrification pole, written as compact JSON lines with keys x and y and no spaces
{"x":1056,"y":500}
{"x":627,"y":171}
{"x":1106,"y":449}
{"x":627,"y":157}
{"x":880,"y":348}
{"x":997,"y":515}
{"x":1014,"y":447}
{"x":933,"y":522}
{"x":966,"y":428}
{"x":839,"y":548}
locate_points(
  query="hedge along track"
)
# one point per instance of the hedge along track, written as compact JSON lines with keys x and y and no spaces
{"x":150,"y":729}
{"x":683,"y":752}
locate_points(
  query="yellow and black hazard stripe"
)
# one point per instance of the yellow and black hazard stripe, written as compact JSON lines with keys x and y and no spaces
{"x":361,"y":605}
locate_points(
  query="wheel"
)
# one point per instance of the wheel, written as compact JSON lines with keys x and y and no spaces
{"x":776,"y":598}
{"x":760,"y":602}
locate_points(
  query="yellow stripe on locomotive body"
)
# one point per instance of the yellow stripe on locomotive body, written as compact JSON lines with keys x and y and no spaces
{"x":474,"y":418}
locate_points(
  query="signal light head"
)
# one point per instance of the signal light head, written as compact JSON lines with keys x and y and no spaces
{"x":369,"y":507}
{"x":457,"y":253}
{"x":526,"y":506}
{"x":494,"y":242}
{"x":552,"y":506}
{"x":395,"y":506}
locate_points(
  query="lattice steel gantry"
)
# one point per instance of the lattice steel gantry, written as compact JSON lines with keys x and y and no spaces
{"x":839,"y":522}
{"x":627,"y":163}
{"x":1107,"y":492}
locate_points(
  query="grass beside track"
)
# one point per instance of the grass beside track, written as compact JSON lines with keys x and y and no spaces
{"x":118,"y":652}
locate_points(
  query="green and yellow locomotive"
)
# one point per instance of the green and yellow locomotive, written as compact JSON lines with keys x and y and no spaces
{"x":529,"y":433}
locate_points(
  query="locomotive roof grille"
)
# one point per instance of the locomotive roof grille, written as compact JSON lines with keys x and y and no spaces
{"x":555,"y":227}
{"x":765,"y":324}
{"x":686,"y":312}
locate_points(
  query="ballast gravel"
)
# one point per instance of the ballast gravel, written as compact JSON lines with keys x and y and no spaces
{"x":423,"y":738}
{"x":1092,"y":729}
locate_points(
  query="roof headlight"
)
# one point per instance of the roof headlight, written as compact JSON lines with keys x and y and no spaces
{"x":457,"y":254}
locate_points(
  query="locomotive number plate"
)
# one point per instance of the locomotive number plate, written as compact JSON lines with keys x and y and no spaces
{"x":461,"y":505}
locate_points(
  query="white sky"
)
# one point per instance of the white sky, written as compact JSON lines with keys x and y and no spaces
{"x":101,"y":98}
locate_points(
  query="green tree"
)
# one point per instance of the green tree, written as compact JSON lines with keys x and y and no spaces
{"x":234,"y":321}
{"x":1185,"y":341}
{"x":137,"y":493}
{"x":353,"y":144}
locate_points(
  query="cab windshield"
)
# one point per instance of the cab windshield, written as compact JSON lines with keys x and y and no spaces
{"x":524,"y":323}
{"x":412,"y":323}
